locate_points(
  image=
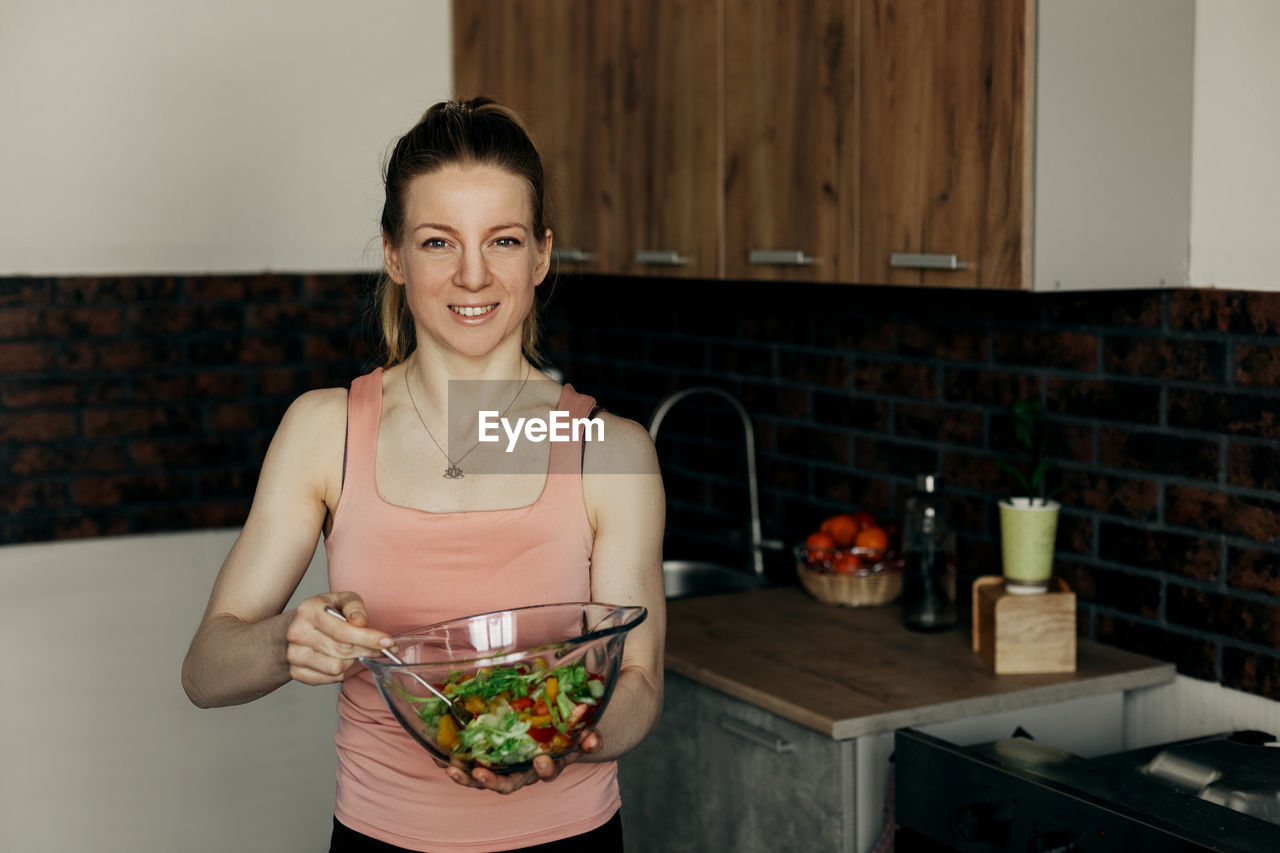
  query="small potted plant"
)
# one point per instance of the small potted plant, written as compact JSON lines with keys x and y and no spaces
{"x":1029,"y":521}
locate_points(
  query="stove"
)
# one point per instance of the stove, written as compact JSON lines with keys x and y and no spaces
{"x":1218,"y":793}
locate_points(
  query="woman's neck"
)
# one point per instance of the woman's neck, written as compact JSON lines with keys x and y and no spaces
{"x":474,"y":383}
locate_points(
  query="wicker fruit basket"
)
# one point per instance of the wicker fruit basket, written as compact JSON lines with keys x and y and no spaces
{"x":876,"y":580}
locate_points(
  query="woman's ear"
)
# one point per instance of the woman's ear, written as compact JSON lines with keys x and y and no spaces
{"x":544,"y":259}
{"x":391,"y":261}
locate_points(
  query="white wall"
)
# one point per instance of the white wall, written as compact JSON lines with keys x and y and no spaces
{"x":101,"y":749}
{"x":157,"y":136}
{"x":1235,"y":188}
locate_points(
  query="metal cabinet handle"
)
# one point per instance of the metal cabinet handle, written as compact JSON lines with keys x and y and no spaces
{"x":757,"y":735}
{"x":658,"y":258}
{"x":571,"y":256}
{"x":925,"y":261}
{"x":779,"y":257}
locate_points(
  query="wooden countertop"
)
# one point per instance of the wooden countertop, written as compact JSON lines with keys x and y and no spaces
{"x":847,"y":672}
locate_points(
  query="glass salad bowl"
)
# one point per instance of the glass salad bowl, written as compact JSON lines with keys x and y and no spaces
{"x":523,"y":682}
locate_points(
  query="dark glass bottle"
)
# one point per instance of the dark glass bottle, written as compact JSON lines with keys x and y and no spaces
{"x":929,"y":555}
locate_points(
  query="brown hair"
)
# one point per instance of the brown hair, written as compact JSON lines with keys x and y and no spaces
{"x":478,"y":131}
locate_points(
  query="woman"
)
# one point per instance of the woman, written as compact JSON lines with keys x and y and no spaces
{"x":424,"y":522}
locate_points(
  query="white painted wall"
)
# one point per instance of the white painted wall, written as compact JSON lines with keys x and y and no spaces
{"x":101,"y":748}
{"x":157,"y":136}
{"x":154,"y":136}
{"x":1235,"y":188}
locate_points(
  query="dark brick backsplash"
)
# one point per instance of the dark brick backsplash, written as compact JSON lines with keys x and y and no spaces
{"x":1193,"y":360}
{"x":1251,"y":672}
{"x":1154,"y":452}
{"x":137,"y":404}
{"x":1255,"y":415}
{"x":1194,"y":654}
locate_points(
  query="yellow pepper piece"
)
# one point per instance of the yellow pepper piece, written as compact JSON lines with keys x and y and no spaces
{"x":539,"y":721}
{"x":475,"y":704}
{"x":447,"y":732}
{"x":553,"y":687}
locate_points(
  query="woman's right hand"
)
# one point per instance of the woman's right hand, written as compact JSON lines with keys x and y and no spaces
{"x":321,"y":647}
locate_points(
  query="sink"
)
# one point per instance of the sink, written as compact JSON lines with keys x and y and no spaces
{"x":686,"y":578}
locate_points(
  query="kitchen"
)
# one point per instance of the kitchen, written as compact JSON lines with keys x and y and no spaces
{"x":1165,"y":397}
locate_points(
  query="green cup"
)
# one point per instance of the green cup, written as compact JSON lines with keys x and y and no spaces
{"x":1027,"y":533}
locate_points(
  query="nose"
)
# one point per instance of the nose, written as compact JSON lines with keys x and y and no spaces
{"x":473,"y":269}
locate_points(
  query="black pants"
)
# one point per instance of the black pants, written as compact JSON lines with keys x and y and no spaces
{"x":603,"y":839}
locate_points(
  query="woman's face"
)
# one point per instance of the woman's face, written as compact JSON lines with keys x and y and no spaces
{"x":469,"y":260}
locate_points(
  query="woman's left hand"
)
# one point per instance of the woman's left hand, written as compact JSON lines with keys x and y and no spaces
{"x":545,"y":768}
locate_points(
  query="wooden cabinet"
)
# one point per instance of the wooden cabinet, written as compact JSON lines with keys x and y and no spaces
{"x":669,"y":213}
{"x":553,"y":61}
{"x":720,"y":774}
{"x":786,"y":86}
{"x":939,"y":168}
{"x":1018,"y":144}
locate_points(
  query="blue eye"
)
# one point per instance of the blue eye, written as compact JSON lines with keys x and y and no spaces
{"x":507,"y":241}
{"x":434,"y":243}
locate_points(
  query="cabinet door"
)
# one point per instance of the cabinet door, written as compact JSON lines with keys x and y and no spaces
{"x":553,"y":62}
{"x":661,"y":779}
{"x":668,"y":132}
{"x":720,"y":774}
{"x":943,"y":140}
{"x":785,"y":88}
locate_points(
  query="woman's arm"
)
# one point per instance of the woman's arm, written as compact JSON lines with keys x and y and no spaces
{"x":245,"y":645}
{"x":622,"y":488}
{"x":625,"y":500}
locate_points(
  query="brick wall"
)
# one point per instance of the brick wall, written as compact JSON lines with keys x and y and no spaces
{"x":131,"y":405}
{"x":1164,"y":405}
{"x":140,"y":404}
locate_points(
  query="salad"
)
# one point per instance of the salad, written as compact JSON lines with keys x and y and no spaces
{"x":519,"y":711}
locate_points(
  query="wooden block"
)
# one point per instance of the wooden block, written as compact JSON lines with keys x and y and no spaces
{"x":1024,"y":633}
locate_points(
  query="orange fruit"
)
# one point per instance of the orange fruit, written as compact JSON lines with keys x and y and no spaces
{"x":843,"y":528}
{"x":820,"y":546}
{"x":874,"y":538}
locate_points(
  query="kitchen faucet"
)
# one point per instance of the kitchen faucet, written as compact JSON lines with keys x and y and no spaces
{"x":748,"y":431}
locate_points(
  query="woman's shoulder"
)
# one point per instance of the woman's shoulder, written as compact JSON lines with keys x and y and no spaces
{"x":319,"y":404}
{"x":315,"y":417}
{"x":622,"y":446}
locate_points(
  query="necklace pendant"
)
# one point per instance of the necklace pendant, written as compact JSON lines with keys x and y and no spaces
{"x":453,"y":472}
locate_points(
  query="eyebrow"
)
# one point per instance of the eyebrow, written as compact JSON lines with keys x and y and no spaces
{"x":449,"y":229}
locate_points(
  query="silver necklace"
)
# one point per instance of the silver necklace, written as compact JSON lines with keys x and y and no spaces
{"x":454,"y":471}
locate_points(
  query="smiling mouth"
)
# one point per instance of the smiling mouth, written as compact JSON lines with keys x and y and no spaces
{"x":472,"y":310}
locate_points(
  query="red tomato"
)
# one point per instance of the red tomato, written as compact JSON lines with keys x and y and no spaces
{"x":820,"y":546}
{"x":520,"y":703}
{"x":540,"y":709}
{"x":874,"y":538}
{"x":842,"y":528}
{"x":543,"y":734}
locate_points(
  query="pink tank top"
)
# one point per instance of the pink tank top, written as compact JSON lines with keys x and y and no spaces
{"x":413,"y":568}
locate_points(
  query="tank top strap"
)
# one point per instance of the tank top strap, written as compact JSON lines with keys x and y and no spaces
{"x":566,"y":456}
{"x":364,"y":410}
